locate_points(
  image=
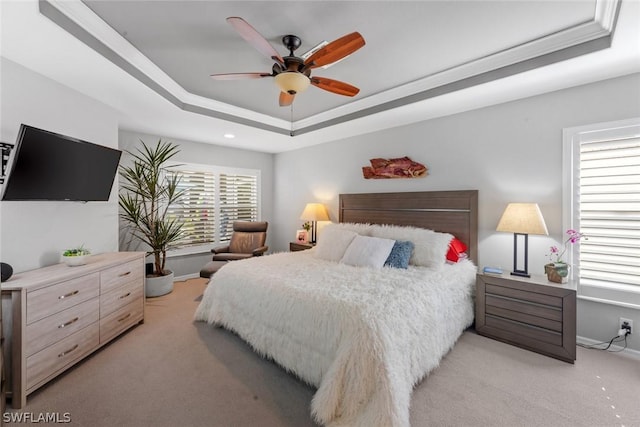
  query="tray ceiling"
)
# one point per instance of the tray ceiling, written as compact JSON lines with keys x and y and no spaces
{"x":415,"y":50}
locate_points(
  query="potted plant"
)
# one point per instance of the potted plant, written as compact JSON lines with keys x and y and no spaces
{"x":76,"y":256}
{"x":558,"y":270}
{"x":147,"y":190}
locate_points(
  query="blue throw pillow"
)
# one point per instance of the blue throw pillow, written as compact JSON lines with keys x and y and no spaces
{"x":400,"y":254}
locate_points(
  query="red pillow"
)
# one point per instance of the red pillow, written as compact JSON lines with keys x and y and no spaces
{"x":457,"y":250}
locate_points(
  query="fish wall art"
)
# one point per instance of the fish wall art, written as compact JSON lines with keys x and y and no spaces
{"x":401,"y":167}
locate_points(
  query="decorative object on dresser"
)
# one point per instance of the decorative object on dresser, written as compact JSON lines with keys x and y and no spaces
{"x":314,"y":212}
{"x":6,"y":270}
{"x":522,"y":219}
{"x":401,"y":167}
{"x":298,"y":246}
{"x":531,"y":313}
{"x":59,"y":315}
{"x":148,"y":189}
{"x":76,"y":256}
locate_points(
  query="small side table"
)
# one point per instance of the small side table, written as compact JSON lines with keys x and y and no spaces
{"x":295,"y":246}
{"x":531,"y":313}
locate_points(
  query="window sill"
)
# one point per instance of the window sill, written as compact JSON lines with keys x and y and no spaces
{"x":613,"y":294}
{"x":199,"y":250}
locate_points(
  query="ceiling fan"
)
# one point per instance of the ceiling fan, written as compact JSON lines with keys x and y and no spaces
{"x":292,"y":74}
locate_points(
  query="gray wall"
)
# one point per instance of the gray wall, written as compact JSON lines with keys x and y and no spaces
{"x":510,"y":152}
{"x":208,"y":154}
{"x":34,"y":234}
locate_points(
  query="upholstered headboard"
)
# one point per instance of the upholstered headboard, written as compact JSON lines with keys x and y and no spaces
{"x":454,"y":212}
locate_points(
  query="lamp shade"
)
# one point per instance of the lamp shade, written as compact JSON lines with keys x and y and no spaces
{"x":292,"y":82}
{"x":315,"y":212}
{"x":522,"y":218}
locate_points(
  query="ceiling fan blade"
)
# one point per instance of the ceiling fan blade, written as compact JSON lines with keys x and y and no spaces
{"x":335,"y":86}
{"x":286,"y":99}
{"x":239,"y":76}
{"x":254,"y":38}
{"x":335,"y":50}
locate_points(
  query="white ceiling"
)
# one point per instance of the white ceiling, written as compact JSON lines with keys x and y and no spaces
{"x":151,"y":60}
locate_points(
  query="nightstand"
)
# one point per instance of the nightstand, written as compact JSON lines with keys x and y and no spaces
{"x":531,"y":313}
{"x":295,"y":246}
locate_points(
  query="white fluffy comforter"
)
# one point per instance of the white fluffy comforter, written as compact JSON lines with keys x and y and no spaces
{"x":364,"y":337}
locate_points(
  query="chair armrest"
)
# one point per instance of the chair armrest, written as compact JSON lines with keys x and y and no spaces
{"x":259,"y":251}
{"x":220,"y":250}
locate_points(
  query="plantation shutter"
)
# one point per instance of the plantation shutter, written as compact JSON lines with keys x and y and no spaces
{"x":196,"y":207}
{"x":609,"y":212}
{"x":238,"y":196}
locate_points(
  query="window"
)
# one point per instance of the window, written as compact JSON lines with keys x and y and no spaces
{"x":214,"y":197}
{"x":602,"y":200}
{"x":238,"y":197}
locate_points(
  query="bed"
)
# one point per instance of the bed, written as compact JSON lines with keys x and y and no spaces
{"x":364,"y":336}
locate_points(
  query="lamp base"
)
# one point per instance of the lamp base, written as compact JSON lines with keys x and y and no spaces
{"x":520,"y":273}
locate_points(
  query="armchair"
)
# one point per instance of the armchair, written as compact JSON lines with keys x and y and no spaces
{"x":248,"y":240}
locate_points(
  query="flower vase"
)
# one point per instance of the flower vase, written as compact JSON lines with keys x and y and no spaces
{"x":557,"y":272}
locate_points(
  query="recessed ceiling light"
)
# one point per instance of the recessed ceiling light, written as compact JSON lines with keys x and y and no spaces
{"x":229,"y":135}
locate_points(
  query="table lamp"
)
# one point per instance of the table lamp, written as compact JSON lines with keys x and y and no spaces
{"x":314,"y":212}
{"x":522,"y":219}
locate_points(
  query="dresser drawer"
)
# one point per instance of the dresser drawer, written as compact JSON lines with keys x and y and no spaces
{"x":117,"y":298}
{"x":117,"y":276}
{"x":54,"y":358}
{"x":51,"y":329}
{"x":121,"y":319}
{"x":53,"y":299}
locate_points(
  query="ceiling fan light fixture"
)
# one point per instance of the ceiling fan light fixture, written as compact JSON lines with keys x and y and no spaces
{"x":292,"y":82}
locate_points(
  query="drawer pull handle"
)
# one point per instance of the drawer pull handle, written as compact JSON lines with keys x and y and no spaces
{"x":124,"y":274}
{"x":124,"y":317}
{"x":70,"y":294}
{"x":64,"y":325}
{"x":64,"y":353}
{"x":125,"y":295}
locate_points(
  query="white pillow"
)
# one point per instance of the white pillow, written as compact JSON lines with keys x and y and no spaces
{"x":333,"y":242}
{"x":368,"y":251}
{"x":358,"y":228}
{"x":430,"y":247}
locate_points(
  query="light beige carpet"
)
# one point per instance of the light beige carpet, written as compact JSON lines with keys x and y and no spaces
{"x":171,"y":371}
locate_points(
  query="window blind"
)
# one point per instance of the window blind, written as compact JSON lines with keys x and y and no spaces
{"x":238,"y":196}
{"x":196,"y":207}
{"x":609,"y":212}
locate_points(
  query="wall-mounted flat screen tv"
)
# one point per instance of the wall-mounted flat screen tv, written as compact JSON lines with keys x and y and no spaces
{"x":50,"y":166}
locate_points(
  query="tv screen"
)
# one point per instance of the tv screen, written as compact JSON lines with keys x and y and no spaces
{"x":49,"y":166}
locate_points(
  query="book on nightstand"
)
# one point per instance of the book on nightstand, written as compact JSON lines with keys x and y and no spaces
{"x":497,"y":271}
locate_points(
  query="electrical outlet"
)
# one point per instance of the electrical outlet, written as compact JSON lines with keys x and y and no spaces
{"x":629,"y":322}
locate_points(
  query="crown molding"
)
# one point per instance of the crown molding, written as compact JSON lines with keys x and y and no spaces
{"x":596,"y":34}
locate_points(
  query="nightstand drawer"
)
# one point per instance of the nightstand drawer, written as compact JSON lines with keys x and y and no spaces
{"x":524,"y":330}
{"x":520,"y":316}
{"x":525,"y":295}
{"x":532,"y":313}
{"x":295,"y":246}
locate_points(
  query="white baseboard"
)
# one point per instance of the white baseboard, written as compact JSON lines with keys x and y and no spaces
{"x":627,"y":351}
{"x":186,"y":277}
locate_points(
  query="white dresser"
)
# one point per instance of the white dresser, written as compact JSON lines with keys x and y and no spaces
{"x":55,"y":316}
